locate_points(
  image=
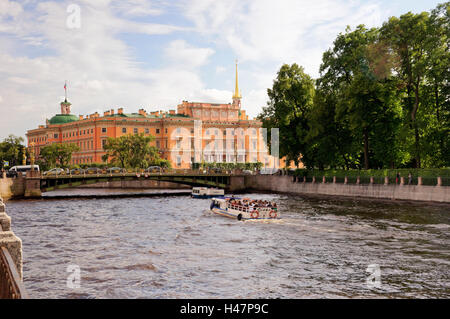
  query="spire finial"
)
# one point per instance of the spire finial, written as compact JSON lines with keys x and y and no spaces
{"x":237,"y":94}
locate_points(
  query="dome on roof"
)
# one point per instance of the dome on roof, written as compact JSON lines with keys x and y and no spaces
{"x":63,"y":118}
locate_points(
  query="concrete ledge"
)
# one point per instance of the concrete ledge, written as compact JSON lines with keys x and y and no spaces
{"x":14,"y":246}
{"x":9,"y":240}
{"x":286,"y":184}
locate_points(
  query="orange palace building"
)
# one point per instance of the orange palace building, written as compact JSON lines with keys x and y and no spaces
{"x":216,"y":121}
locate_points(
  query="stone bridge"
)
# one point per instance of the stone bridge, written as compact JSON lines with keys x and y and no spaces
{"x":34,"y":184}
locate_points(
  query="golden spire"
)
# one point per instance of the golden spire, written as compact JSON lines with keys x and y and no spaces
{"x":237,"y":94}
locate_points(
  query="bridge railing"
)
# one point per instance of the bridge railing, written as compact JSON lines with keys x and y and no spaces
{"x":11,"y":286}
{"x":141,"y":173}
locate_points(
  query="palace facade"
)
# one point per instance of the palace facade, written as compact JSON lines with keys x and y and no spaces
{"x":195,"y":132}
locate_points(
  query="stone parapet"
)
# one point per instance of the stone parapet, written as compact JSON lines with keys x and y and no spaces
{"x":284,"y":184}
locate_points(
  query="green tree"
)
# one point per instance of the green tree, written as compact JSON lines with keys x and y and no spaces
{"x":408,"y":36}
{"x":132,"y":151}
{"x":436,"y":90}
{"x":329,"y":140}
{"x":290,"y":101}
{"x":58,"y":154}
{"x":356,"y":80}
{"x":12,"y":150}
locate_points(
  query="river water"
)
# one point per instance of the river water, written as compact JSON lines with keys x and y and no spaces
{"x":173,"y":247}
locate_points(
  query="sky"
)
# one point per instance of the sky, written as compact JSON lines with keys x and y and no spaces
{"x":155,"y":54}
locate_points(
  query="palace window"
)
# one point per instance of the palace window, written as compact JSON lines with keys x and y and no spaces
{"x":135,"y":130}
{"x":157,"y":131}
{"x":124,"y":129}
{"x":147,"y":131}
{"x":103,"y":129}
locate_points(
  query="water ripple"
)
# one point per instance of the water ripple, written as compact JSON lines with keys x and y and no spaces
{"x":173,"y":247}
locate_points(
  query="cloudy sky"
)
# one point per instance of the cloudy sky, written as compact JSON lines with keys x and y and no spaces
{"x":154,"y":54}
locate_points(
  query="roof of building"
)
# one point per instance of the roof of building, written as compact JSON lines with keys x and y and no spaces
{"x":137,"y":115}
{"x":68,"y":118}
{"x":63,"y":118}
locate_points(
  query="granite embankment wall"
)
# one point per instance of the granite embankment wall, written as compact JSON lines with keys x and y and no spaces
{"x":287,"y":184}
{"x":137,"y":184}
{"x":10,"y":187}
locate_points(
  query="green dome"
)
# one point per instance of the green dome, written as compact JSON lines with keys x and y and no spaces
{"x":63,"y":118}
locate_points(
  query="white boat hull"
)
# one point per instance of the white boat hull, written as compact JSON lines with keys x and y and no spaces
{"x":241,"y":213}
{"x":204,"y":192}
{"x":244,"y":216}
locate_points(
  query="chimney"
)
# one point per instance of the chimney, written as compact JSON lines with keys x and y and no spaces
{"x":172,"y":112}
{"x":112,"y":111}
{"x":142,"y":112}
{"x":120,"y":111}
{"x":96,"y":114}
{"x":80,"y":117}
{"x":106,"y":113}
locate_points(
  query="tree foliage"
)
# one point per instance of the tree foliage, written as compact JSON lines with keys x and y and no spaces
{"x":12,"y":151}
{"x":133,"y":151}
{"x":291,"y":99}
{"x":58,"y":154}
{"x":382,"y":99}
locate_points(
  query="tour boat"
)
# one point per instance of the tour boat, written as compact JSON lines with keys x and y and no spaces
{"x":232,"y":207}
{"x":205,"y":192}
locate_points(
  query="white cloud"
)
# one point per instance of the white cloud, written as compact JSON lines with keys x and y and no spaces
{"x":184,"y":54}
{"x":101,"y":69}
{"x":104,"y":71}
{"x":220,"y":69}
{"x":279,"y":31}
{"x":264,"y":34}
{"x":137,"y":8}
{"x":10,"y":8}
